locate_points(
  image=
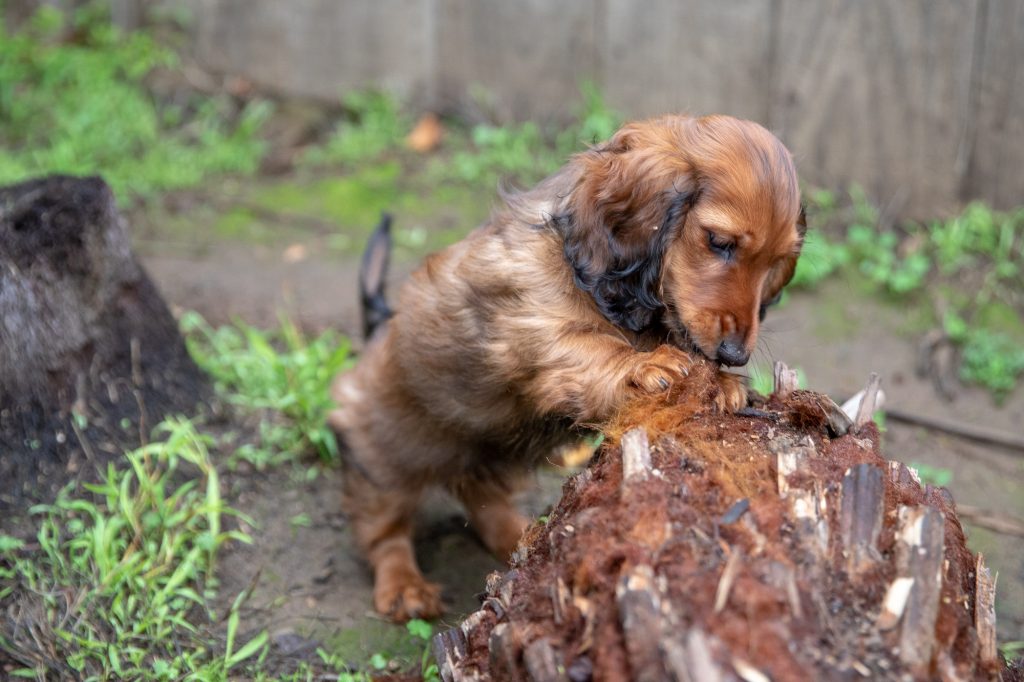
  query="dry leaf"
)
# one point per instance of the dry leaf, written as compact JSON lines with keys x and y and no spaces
{"x":426,"y":135}
{"x":295,"y":253}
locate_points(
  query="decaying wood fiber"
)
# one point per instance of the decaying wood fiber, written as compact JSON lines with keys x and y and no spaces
{"x":777,"y":544}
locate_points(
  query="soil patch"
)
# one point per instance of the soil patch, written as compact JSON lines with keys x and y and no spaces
{"x":311,"y":588}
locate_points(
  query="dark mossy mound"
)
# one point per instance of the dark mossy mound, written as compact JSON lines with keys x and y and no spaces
{"x":90,"y":356}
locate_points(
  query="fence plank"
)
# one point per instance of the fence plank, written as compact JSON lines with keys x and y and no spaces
{"x":515,"y":60}
{"x":665,"y":56}
{"x":994,"y":172}
{"x":320,"y":48}
{"x":878,"y":93}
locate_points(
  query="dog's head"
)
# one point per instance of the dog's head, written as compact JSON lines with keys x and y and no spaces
{"x":693,"y":224}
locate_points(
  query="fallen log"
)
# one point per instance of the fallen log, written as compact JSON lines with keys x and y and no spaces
{"x":90,"y":356}
{"x":776,"y":544}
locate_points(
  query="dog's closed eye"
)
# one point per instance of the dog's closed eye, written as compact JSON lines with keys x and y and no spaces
{"x":723,"y":247}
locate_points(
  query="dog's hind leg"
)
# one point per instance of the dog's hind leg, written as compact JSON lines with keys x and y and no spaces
{"x":492,"y":512}
{"x":382,"y":522}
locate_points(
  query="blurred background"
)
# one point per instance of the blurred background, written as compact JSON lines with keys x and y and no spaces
{"x":253,"y":144}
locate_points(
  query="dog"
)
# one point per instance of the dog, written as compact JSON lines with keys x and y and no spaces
{"x":658,"y":249}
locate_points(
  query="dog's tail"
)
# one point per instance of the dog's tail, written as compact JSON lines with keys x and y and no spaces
{"x":373,"y":275}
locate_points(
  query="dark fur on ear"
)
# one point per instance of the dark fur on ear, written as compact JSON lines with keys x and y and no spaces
{"x":622,"y":214}
{"x":624,"y":285}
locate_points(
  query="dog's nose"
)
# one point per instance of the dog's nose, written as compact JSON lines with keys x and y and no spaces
{"x":732,"y":351}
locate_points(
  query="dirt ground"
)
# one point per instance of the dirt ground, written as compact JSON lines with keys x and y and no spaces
{"x":311,"y":587}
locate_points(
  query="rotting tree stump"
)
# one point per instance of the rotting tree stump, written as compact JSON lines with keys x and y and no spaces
{"x":775,"y":544}
{"x":90,"y":356}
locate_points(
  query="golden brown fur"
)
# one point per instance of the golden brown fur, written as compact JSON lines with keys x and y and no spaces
{"x":605,"y":281}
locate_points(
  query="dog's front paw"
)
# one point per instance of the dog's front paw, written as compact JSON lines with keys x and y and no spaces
{"x":660,"y":368}
{"x":732,"y":393}
{"x":407,"y":597}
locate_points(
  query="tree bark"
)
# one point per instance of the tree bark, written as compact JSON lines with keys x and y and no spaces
{"x":775,"y":544}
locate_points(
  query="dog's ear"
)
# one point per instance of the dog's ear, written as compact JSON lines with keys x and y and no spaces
{"x":626,"y":206}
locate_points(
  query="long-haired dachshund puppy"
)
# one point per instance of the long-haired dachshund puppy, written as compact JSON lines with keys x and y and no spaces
{"x":605,"y":281}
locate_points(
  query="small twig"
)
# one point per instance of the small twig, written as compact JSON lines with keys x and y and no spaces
{"x":970,"y":432}
{"x":245,"y":594}
{"x":985,"y":611}
{"x":137,"y":380}
{"x":141,"y":402}
{"x":136,"y":352}
{"x":732,"y":567}
{"x":82,"y":440}
{"x":1003,"y":524}
{"x":755,"y":413}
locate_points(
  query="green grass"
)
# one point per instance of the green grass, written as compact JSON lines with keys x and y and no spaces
{"x":415,"y":638}
{"x":524,"y":153}
{"x":118,"y":582}
{"x":73,"y":100}
{"x":286,"y":378}
{"x":353,"y":200}
{"x":1012,"y":650}
{"x":374,"y":128}
{"x":374,"y":124}
{"x":937,"y":476}
{"x":819,"y":259}
{"x":281,"y":375}
{"x":762,"y":379}
{"x":968,"y":266}
{"x":117,"y":579}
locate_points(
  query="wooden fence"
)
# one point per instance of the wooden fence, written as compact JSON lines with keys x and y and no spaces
{"x":921,"y":102}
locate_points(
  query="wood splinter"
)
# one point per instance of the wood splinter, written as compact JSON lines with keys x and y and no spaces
{"x":449,"y":648}
{"x":786,"y":380}
{"x":543,"y":663}
{"x":920,"y":540}
{"x":902,"y":475}
{"x":838,"y":422}
{"x":559,"y":600}
{"x":862,"y":406}
{"x":985,"y":612}
{"x":860,"y":517}
{"x":636,"y":456}
{"x":691,"y":660}
{"x":639,"y":606}
{"x":809,"y":509}
{"x":504,"y":646}
{"x":732,"y":567}
{"x":791,"y":456}
{"x":747,"y":672}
